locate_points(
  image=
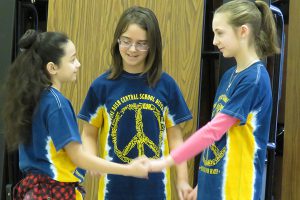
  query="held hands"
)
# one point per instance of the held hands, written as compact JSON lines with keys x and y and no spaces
{"x":160,"y":164}
{"x":193,"y":194}
{"x":157,"y":165}
{"x":139,"y":167}
{"x":184,"y":189}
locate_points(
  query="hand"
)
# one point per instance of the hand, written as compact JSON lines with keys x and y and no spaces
{"x":183,"y":189}
{"x":193,"y":195}
{"x":139,"y":167}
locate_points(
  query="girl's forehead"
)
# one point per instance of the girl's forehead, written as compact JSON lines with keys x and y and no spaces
{"x":134,"y":31}
{"x":69,"y":49}
{"x":220,"y":21}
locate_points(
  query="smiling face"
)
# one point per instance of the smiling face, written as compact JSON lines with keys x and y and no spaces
{"x":225,"y":36}
{"x":67,"y":68}
{"x":69,"y":65}
{"x":133,"y":59}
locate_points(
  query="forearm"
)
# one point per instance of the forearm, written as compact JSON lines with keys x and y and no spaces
{"x":203,"y":138}
{"x":175,"y":141}
{"x":182,"y":172}
{"x":90,"y":162}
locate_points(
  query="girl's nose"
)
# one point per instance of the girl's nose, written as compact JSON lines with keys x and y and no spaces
{"x":132,"y":47}
{"x":78,"y":63}
{"x":215,"y":41}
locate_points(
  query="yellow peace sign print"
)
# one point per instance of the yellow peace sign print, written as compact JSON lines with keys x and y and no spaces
{"x":218,"y":155}
{"x":140,"y":139}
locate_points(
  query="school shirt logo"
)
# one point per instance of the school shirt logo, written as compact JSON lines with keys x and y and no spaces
{"x":216,"y":153}
{"x":140,"y":140}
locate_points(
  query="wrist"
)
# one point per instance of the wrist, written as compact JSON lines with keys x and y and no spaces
{"x":128,"y":170}
{"x":169,"y":161}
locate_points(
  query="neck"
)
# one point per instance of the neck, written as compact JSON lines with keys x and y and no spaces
{"x":134,"y":69}
{"x":246,"y":58}
{"x":56,"y":86}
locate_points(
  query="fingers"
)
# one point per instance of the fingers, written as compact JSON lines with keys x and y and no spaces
{"x":186,"y":192}
{"x":180,"y":195}
{"x":140,"y":167}
{"x":151,"y":165}
{"x":193,"y":194}
{"x":184,"y":189}
{"x":141,"y":158}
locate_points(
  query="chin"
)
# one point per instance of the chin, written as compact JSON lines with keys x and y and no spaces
{"x":227,"y":55}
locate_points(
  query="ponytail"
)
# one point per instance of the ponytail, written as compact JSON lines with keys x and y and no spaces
{"x":27,"y":78}
{"x":260,"y":18}
{"x":267,"y":39}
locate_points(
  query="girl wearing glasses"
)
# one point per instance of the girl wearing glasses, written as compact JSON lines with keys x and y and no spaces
{"x":135,"y":108}
{"x":235,"y":140}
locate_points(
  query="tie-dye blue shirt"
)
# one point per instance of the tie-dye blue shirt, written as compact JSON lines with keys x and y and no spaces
{"x":232,"y":168}
{"x":54,"y":125}
{"x":133,"y":118}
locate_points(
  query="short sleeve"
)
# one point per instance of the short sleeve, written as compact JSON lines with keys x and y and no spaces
{"x":63,"y":128}
{"x":241,"y":101}
{"x":90,"y":106}
{"x":178,"y":108}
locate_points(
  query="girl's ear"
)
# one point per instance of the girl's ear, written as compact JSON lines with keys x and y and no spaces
{"x":244,"y":31}
{"x":52,"y":68}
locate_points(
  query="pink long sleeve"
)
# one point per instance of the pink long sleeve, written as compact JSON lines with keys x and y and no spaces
{"x":204,"y":137}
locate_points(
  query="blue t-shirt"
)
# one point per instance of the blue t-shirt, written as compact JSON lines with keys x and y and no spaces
{"x":232,"y":168}
{"x":133,"y":118}
{"x":54,"y":125}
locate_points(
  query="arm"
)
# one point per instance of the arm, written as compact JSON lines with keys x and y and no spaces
{"x":89,"y":138}
{"x":200,"y":140}
{"x":204,"y":137}
{"x":85,"y":160}
{"x":175,"y":140}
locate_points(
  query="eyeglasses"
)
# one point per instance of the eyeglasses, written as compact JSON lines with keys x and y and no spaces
{"x":139,"y":46}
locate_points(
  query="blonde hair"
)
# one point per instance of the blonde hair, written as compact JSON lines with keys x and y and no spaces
{"x":260,"y":19}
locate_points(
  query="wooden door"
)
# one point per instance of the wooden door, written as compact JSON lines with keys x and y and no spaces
{"x":90,"y":25}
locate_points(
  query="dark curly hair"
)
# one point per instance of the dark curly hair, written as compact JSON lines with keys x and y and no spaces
{"x":27,"y":78}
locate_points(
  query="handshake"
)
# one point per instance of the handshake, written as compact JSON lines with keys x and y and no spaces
{"x":141,"y":166}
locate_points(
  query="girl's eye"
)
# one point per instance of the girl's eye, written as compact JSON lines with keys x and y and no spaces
{"x":142,"y":44}
{"x":127,"y":42}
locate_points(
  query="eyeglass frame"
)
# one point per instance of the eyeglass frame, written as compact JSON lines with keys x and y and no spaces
{"x":135,"y":44}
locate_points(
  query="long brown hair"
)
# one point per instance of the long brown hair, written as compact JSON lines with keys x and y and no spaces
{"x":259,"y":17}
{"x":27,"y":78}
{"x":146,"y":20}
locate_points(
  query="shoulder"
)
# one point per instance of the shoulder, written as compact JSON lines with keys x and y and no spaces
{"x":101,"y":82}
{"x":101,"y":78}
{"x":53,"y":97}
{"x":227,"y":74}
{"x":52,"y":101}
{"x":257,"y":73}
{"x":166,"y":78}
